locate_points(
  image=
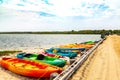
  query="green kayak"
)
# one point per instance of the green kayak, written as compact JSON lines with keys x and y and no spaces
{"x":42,"y":58}
{"x":90,"y":42}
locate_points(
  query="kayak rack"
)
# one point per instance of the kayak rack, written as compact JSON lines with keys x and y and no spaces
{"x":67,"y":73}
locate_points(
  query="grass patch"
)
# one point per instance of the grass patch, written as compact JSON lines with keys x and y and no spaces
{"x":7,"y":52}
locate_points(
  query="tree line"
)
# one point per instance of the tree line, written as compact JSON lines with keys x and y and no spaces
{"x":68,"y":32}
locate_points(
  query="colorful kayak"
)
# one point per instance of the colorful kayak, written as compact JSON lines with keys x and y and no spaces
{"x":78,"y":50}
{"x":58,"y":52}
{"x":90,"y":42}
{"x":67,"y":59}
{"x":54,"y":55}
{"x":29,"y":68}
{"x":77,"y":45}
{"x":42,"y":58}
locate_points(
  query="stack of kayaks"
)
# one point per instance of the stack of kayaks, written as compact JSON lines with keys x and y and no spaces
{"x":67,"y":59}
{"x":59,"y":52}
{"x":54,"y":55}
{"x":77,"y":45}
{"x":50,"y":61}
{"x":77,"y":50}
{"x":42,"y":58}
{"x":29,"y":68}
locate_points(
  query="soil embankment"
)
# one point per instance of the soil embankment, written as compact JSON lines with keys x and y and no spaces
{"x":103,"y":64}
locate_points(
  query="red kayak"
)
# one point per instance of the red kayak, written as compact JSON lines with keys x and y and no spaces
{"x":67,"y":59}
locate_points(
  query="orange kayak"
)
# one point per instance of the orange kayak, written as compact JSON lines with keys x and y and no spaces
{"x":29,"y":68}
{"x":77,"y":46}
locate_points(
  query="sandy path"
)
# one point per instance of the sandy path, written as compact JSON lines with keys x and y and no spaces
{"x":103,"y":64}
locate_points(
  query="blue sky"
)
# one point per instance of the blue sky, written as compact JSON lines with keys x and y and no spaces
{"x":59,"y":15}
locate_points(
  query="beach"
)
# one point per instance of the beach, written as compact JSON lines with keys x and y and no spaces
{"x":102,"y":64}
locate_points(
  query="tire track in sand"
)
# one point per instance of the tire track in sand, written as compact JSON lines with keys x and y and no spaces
{"x":104,"y":65}
{"x":81,"y":73}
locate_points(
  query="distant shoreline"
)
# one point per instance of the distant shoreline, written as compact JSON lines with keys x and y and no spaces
{"x":66,"y":32}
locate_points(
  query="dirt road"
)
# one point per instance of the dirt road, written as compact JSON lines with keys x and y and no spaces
{"x":103,"y":64}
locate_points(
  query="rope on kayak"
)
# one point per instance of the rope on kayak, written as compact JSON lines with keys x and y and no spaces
{"x":70,"y":55}
{"x":43,"y":74}
{"x":56,"y":56}
{"x":55,"y":50}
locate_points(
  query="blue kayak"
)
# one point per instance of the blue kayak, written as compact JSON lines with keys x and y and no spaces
{"x":69,"y":49}
{"x":59,"y":52}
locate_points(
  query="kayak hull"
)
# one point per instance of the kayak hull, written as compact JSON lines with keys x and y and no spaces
{"x":45,"y":59}
{"x":81,"y":46}
{"x":28,"y":68}
{"x":58,"y":52}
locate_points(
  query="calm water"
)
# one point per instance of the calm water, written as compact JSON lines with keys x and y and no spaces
{"x":41,"y":40}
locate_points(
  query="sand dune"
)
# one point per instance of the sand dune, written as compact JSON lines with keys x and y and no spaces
{"x":103,"y":64}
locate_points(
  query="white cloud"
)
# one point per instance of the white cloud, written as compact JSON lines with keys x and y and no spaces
{"x":70,"y":14}
{"x":64,"y":7}
{"x":59,"y":7}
